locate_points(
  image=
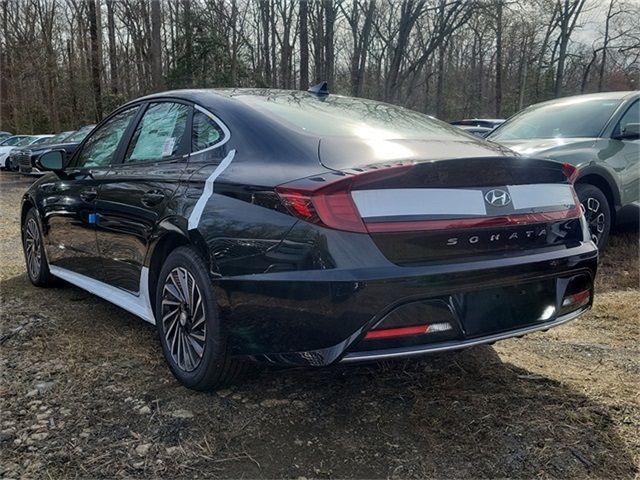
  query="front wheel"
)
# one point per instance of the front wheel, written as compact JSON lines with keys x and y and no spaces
{"x":596,"y":211}
{"x":192,"y":338}
{"x":33,"y":245}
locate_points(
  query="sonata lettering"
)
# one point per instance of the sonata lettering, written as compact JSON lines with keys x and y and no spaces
{"x":495,"y":237}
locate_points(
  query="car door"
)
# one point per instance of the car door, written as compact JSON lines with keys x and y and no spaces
{"x":69,"y":200}
{"x":136,"y":193}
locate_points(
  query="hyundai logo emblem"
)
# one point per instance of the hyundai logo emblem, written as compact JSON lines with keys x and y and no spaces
{"x":497,"y":197}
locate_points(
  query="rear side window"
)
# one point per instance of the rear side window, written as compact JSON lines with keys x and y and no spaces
{"x":159,"y":134}
{"x":206,"y":132}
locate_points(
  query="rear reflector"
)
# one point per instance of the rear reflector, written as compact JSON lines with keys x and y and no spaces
{"x":577,"y":299}
{"x":406,"y":331}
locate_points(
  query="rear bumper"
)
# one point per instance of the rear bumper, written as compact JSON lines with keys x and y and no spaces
{"x":405,"y":352}
{"x":321,"y":317}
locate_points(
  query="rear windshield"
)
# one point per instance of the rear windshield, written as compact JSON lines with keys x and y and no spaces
{"x":573,"y":117}
{"x":351,"y":117}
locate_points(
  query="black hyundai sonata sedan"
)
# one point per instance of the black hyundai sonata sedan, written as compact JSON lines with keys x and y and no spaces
{"x":303,"y":229}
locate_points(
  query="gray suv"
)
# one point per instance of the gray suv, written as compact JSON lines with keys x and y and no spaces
{"x":599,"y":134}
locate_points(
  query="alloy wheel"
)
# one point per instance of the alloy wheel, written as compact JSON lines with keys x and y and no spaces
{"x":32,"y":248}
{"x":183,"y":319}
{"x":595,"y":217}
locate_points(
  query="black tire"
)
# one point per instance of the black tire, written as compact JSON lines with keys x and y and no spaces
{"x":596,"y":211}
{"x":191,"y":322}
{"x":33,"y":247}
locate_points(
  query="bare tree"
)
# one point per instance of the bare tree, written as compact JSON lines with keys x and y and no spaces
{"x":95,"y":59}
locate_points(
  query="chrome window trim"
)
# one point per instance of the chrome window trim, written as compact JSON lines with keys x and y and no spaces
{"x":226,"y":132}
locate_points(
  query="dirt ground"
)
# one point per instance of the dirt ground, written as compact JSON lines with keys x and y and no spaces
{"x":84,"y":392}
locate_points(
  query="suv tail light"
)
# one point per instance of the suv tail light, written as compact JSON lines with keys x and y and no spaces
{"x":570,"y":172}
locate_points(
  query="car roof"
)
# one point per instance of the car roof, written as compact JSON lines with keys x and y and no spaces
{"x":617,"y":95}
{"x":235,"y":105}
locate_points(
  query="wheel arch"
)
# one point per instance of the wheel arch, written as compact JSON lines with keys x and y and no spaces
{"x":27,"y":204}
{"x":169,"y":235}
{"x":603,"y":180}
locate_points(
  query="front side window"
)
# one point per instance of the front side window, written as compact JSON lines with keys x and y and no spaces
{"x":632,"y":115}
{"x":159,"y":134}
{"x":100,"y":148}
{"x":206,"y":132}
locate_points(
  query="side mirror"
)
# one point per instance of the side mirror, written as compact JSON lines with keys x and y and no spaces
{"x":53,"y":160}
{"x":631,"y":131}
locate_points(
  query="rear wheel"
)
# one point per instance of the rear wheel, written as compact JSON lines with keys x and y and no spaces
{"x":37,"y":266}
{"x":192,"y":338}
{"x":596,"y":211}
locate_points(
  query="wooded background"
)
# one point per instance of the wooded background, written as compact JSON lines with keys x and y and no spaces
{"x":65,"y":63}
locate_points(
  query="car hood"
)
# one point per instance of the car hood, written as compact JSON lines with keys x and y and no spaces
{"x":7,"y":149}
{"x":543,"y":147}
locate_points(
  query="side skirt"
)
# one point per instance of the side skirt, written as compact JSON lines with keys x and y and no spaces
{"x":139,"y":305}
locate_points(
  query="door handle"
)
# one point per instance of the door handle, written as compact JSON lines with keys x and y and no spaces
{"x":152,"y":198}
{"x":89,"y":195}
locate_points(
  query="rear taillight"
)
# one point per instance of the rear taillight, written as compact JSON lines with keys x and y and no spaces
{"x":334,"y":209}
{"x":328,"y":202}
{"x":570,"y":172}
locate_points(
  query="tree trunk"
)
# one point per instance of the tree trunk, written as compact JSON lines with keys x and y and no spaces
{"x":266,"y":24}
{"x":499,"y":6}
{"x":95,"y":59}
{"x":156,"y":47}
{"x":188,"y":41}
{"x":113,"y":59}
{"x":329,"y":17}
{"x":304,"y":45}
{"x":5,"y":110}
{"x":605,"y":46}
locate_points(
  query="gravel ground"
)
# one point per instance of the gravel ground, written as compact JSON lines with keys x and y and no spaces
{"x":84,"y":392}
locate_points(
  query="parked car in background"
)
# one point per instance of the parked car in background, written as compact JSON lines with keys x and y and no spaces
{"x":477,"y":131}
{"x":598,"y":133}
{"x":490,"y":123}
{"x":307,"y":229}
{"x":4,"y":135}
{"x":25,"y":158}
{"x":9,"y":144}
{"x":16,"y":152}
